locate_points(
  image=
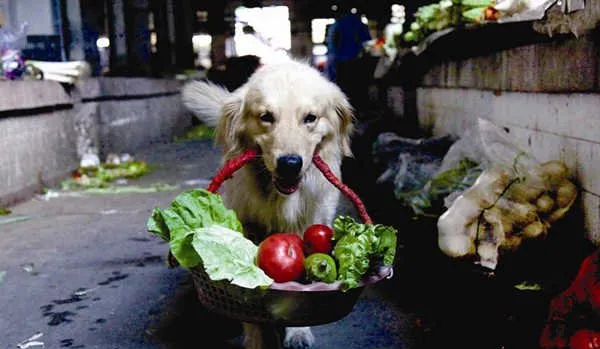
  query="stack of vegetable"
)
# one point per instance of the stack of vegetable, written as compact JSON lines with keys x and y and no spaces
{"x":203,"y":233}
{"x":503,"y":207}
{"x":448,"y":14}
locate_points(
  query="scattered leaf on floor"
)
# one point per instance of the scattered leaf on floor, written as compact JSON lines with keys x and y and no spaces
{"x":528,"y":286}
{"x":197,"y":133}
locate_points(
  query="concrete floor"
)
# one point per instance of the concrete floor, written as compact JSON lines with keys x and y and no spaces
{"x":82,"y":272}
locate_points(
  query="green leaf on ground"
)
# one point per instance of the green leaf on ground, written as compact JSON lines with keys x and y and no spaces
{"x":528,"y":286}
{"x":197,"y":133}
{"x":104,"y":175}
{"x":4,"y":211}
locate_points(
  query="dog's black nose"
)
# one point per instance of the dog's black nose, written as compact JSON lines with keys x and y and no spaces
{"x":289,"y":165}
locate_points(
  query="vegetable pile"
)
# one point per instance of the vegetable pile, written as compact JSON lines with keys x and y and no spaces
{"x":503,"y":207}
{"x":203,"y":233}
{"x":448,"y":14}
{"x":103,"y":175}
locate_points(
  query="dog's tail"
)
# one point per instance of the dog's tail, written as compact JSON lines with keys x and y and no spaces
{"x":204,"y":100}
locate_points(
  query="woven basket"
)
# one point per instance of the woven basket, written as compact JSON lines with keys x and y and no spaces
{"x":289,"y":303}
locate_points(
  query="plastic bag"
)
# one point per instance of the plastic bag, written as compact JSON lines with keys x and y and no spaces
{"x":514,"y":198}
{"x":410,"y":164}
{"x":11,"y":41}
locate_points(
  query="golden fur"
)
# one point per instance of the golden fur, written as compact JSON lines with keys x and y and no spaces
{"x":287,"y":93}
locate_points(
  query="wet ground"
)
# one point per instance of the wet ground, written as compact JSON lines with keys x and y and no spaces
{"x":82,"y":272}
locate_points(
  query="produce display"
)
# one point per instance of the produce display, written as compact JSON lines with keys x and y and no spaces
{"x":504,"y":206}
{"x":446,"y":14}
{"x":436,"y":19}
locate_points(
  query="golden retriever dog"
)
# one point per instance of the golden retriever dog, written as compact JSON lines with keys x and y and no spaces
{"x":289,"y":111}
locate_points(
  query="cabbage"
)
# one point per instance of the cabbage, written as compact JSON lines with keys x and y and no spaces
{"x":202,"y":232}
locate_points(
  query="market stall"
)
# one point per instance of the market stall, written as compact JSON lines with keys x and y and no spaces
{"x":530,"y":76}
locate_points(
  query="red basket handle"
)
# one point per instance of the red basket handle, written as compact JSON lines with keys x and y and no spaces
{"x":238,"y":162}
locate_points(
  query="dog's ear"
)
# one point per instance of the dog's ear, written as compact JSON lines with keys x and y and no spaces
{"x":229,"y":128}
{"x":345,"y":113}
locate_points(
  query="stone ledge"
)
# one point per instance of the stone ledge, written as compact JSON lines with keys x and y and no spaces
{"x":107,"y":88}
{"x":22,"y":95}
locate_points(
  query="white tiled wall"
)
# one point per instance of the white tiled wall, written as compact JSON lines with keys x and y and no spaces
{"x":550,"y":125}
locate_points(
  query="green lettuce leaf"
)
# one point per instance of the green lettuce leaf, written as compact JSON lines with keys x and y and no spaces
{"x":227,"y":255}
{"x":190,"y":210}
{"x":386,"y":247}
{"x":352,"y":253}
{"x":361,"y":247}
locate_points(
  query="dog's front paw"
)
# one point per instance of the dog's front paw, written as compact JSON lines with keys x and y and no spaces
{"x":298,"y":338}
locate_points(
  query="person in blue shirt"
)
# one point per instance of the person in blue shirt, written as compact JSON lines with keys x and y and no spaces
{"x":345,"y":45}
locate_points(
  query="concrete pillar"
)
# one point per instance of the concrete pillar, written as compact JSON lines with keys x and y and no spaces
{"x":163,"y":58}
{"x":138,"y":37}
{"x":217,"y":28}
{"x":301,"y":32}
{"x":75,"y":45}
{"x":170,"y":29}
{"x":117,"y":34}
{"x":93,"y":23}
{"x":184,"y":50}
{"x":61,"y":26}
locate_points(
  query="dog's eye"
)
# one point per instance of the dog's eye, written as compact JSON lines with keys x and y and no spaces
{"x":310,"y":118}
{"x":267,"y":117}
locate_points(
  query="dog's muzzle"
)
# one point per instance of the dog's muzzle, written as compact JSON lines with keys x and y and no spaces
{"x":287,"y":173}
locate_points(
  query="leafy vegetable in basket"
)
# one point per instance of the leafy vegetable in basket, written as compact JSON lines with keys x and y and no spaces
{"x":361,"y":247}
{"x":202,"y":231}
{"x":227,"y":255}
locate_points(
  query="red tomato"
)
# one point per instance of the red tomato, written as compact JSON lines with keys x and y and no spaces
{"x":585,"y":339}
{"x":317,"y":239}
{"x":281,"y":257}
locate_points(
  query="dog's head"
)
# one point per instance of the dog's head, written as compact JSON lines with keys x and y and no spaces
{"x":289,"y":111}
